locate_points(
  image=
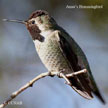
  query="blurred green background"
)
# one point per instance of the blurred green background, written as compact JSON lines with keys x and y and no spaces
{"x":19,"y":61}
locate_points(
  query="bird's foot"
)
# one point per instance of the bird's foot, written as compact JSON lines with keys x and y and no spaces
{"x":60,"y":73}
{"x":50,"y":74}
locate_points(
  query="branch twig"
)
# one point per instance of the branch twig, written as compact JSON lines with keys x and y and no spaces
{"x":30,"y":83}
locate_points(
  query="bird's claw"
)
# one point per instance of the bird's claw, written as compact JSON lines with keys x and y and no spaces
{"x":49,"y":74}
{"x":67,"y":83}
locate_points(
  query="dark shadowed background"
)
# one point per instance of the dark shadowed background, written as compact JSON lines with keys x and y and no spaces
{"x":19,"y":61}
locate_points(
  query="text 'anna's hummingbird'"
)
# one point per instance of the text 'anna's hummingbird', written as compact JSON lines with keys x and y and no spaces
{"x":60,"y":53}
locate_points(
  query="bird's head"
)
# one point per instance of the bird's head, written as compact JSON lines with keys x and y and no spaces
{"x":41,"y":19}
{"x":38,"y":21}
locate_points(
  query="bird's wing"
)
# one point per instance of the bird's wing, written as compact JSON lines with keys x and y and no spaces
{"x":80,"y":83}
{"x":83,"y":84}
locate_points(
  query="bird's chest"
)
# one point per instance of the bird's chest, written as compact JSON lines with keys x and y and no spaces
{"x":51,"y":55}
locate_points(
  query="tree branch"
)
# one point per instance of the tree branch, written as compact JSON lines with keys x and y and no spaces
{"x":42,"y":75}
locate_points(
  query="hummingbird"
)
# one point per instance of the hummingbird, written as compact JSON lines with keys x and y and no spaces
{"x":59,"y":52}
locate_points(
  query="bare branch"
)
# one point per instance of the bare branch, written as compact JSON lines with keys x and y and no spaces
{"x":76,"y":73}
{"x":30,"y":83}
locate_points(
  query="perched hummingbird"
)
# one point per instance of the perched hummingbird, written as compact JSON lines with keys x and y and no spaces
{"x":60,"y":53}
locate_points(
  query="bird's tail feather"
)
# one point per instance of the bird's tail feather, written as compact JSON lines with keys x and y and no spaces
{"x":98,"y":94}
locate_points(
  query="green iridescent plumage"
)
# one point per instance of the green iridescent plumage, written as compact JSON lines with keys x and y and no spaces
{"x":59,"y":51}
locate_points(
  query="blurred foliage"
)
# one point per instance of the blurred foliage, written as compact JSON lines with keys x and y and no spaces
{"x":96,"y":16}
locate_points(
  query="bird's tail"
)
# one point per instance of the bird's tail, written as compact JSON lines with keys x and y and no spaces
{"x":98,"y":94}
{"x":96,"y":90}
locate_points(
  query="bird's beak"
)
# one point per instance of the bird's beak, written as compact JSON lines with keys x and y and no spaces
{"x":16,"y":21}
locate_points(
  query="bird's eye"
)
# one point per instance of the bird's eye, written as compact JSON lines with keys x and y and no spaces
{"x":33,"y":22}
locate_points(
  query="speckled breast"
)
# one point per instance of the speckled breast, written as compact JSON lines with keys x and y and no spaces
{"x":51,"y":55}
